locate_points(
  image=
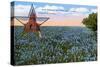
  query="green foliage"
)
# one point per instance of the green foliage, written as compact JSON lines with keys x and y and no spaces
{"x":91,"y":21}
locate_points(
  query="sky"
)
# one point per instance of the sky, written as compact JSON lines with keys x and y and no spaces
{"x":59,"y":14}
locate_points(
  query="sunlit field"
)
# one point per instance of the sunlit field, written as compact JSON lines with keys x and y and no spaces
{"x":57,"y":45}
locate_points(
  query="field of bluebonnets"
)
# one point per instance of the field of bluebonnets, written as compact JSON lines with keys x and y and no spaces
{"x":57,"y":45}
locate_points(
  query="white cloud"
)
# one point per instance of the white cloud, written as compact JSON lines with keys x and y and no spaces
{"x":93,"y":10}
{"x":22,"y":10}
{"x":49,"y":9}
{"x":81,"y":9}
{"x":52,"y":7}
{"x":75,"y":14}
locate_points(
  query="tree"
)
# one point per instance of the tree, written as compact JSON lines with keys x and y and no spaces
{"x":91,"y":21}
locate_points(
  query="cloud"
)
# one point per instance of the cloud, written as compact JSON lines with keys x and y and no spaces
{"x":81,"y":10}
{"x":22,"y":10}
{"x":71,"y":12}
{"x":49,"y":9}
{"x":93,"y":10}
{"x":52,"y":7}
